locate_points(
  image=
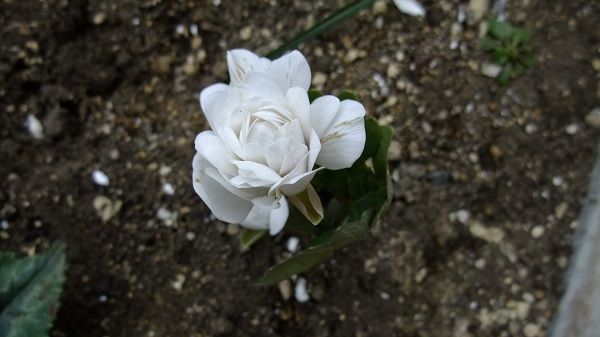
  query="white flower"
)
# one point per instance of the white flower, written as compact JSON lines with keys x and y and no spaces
{"x":266,"y":139}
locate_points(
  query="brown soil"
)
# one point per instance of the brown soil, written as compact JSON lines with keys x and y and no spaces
{"x":476,"y":168}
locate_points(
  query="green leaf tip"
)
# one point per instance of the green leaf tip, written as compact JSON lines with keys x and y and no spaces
{"x":30,"y":289}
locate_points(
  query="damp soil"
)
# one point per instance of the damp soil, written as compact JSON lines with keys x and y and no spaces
{"x":488,"y":180}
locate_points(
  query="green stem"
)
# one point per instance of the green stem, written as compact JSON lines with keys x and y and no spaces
{"x":332,"y":21}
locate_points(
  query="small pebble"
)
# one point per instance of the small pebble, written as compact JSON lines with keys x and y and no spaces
{"x":384,"y":296}
{"x":168,"y":189}
{"x":4,"y":225}
{"x":179,"y":281}
{"x":537,"y":232}
{"x":421,"y":274}
{"x":285,"y":289}
{"x":293,"y":244}
{"x":593,"y":118}
{"x":100,"y":178}
{"x":232,"y":229}
{"x":190,"y":236}
{"x":530,"y":128}
{"x":490,"y":69}
{"x":300,"y":292}
{"x":35,"y":127}
{"x":557,"y":181}
{"x":531,"y":330}
{"x":572,"y":129}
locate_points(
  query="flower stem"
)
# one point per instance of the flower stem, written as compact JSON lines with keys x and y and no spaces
{"x":330,"y":22}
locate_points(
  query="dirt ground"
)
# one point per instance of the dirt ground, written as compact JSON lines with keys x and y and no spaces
{"x":488,"y":181}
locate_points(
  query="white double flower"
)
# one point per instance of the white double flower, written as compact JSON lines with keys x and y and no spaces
{"x":266,"y":138}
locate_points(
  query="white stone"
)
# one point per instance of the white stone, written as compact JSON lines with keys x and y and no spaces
{"x":35,"y":127}
{"x":300,"y":292}
{"x":490,"y":69}
{"x":293,"y":244}
{"x":100,"y":178}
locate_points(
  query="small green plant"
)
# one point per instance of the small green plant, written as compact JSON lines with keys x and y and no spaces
{"x":509,"y":47}
{"x":30,"y":288}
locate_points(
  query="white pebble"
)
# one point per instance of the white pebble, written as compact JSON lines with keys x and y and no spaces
{"x":35,"y":127}
{"x":293,"y":244}
{"x":530,"y":128}
{"x":194,"y":29}
{"x":180,"y":29}
{"x":168,"y":189}
{"x":384,"y":296}
{"x":463,"y":215}
{"x":100,"y":178}
{"x":179,"y":281}
{"x":383,"y":87}
{"x":537,"y":232}
{"x":410,"y":7}
{"x":572,"y":129}
{"x":300,"y":292}
{"x":490,"y":69}
{"x":4,"y":225}
{"x":557,"y":181}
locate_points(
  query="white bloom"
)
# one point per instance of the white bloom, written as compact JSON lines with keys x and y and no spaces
{"x":266,"y":139}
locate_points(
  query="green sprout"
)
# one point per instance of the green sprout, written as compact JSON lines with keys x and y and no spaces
{"x":508,"y":47}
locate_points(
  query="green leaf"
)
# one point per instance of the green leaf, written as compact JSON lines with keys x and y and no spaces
{"x":505,"y":74}
{"x":330,"y":22}
{"x":500,"y":29}
{"x":500,"y":56}
{"x":520,"y":37}
{"x":527,"y":59}
{"x":518,"y":70}
{"x":314,"y":94}
{"x":298,"y":224}
{"x":348,"y":94}
{"x":30,"y":288}
{"x":488,"y":44}
{"x":303,"y":261}
{"x":249,"y":236}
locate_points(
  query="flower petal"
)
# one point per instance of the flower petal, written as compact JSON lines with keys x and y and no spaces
{"x":344,"y":141}
{"x":315,"y":148}
{"x":278,"y":217}
{"x":258,"y":218}
{"x":298,"y":184}
{"x":211,"y":187}
{"x":291,"y":70}
{"x":241,"y":61}
{"x":213,"y":101}
{"x":213,"y":149}
{"x":322,"y":113}
{"x":309,"y":204}
{"x":254,"y":174}
{"x":297,"y":99}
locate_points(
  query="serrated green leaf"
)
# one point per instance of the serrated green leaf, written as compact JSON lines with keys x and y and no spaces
{"x":250,"y":236}
{"x":314,"y":94}
{"x":348,"y":94}
{"x":303,"y":261}
{"x":30,"y":288}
